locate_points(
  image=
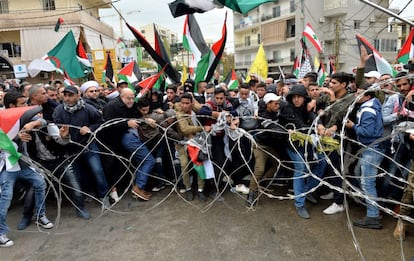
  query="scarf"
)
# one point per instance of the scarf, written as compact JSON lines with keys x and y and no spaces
{"x":77,"y":106}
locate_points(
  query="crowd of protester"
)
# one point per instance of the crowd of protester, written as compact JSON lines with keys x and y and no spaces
{"x":92,"y":140}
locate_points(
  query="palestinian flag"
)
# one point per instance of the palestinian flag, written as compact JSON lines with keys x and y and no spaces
{"x":259,"y":66}
{"x":231,"y":80}
{"x":149,"y":82}
{"x":182,"y":7}
{"x":128,"y":74}
{"x":407,"y":50}
{"x":81,"y":54}
{"x":296,"y":67}
{"x":204,"y":168}
{"x":376,"y":62}
{"x":169,"y":69}
{"x":11,"y":121}
{"x":120,"y":43}
{"x":208,"y":63}
{"x":193,"y":40}
{"x":309,"y":33}
{"x":321,"y":71}
{"x":59,"y":22}
{"x":331,"y":66}
{"x":161,"y":51}
{"x":108,"y":70}
{"x":243,"y":6}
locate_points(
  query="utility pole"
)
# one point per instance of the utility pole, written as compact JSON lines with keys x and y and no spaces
{"x":336,"y":44}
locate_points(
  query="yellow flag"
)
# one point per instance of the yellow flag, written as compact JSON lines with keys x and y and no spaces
{"x":184,"y":76}
{"x":259,"y":66}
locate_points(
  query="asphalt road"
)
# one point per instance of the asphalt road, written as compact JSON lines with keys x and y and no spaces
{"x":169,"y":228}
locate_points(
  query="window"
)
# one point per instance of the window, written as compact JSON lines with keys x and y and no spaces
{"x":357,"y":24}
{"x":290,"y":31}
{"x":292,"y":6}
{"x":258,"y":39}
{"x":4,"y":6}
{"x":292,"y":54}
{"x":277,"y":56}
{"x":247,"y":60}
{"x":276,"y":11}
{"x":48,"y":5}
{"x":247,"y":41}
{"x":385,"y":45}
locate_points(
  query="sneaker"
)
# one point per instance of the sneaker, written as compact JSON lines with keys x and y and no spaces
{"x":114,"y":196}
{"x":302,"y":212}
{"x":5,"y":241}
{"x":311,"y":198}
{"x":242,"y":189}
{"x":83,"y":213}
{"x":333,"y":209}
{"x":201,"y":196}
{"x":182,"y":190}
{"x":44,"y":222}
{"x":140,"y":193}
{"x":24,"y":223}
{"x":189,"y":195}
{"x":368,"y":222}
{"x":158,"y":188}
{"x":330,"y":195}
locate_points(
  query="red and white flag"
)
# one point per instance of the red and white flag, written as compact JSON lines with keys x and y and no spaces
{"x":309,"y":33}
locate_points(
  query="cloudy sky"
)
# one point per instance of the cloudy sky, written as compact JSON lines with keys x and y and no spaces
{"x":143,"y":12}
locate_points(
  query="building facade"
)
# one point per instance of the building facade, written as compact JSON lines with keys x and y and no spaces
{"x":27,"y":27}
{"x":278,"y":25}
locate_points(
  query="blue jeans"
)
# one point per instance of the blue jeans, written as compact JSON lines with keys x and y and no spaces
{"x":300,"y":184}
{"x":141,"y":155}
{"x":7,"y":181}
{"x":93,"y":160}
{"x":66,"y":176}
{"x":367,"y":169}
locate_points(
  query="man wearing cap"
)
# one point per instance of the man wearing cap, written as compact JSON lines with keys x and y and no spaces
{"x":90,"y":94}
{"x":372,"y":77}
{"x":83,"y":119}
{"x":262,"y":151}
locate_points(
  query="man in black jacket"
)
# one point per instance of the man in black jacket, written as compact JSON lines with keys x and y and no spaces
{"x":262,"y":152}
{"x":120,"y":133}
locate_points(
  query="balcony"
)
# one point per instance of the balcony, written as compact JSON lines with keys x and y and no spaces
{"x":284,"y":14}
{"x":280,"y":61}
{"x":335,"y":8}
{"x":16,"y":21}
{"x":243,"y":46}
{"x":246,"y":24}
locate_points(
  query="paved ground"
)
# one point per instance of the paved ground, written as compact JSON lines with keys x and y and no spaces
{"x":168,"y":228}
